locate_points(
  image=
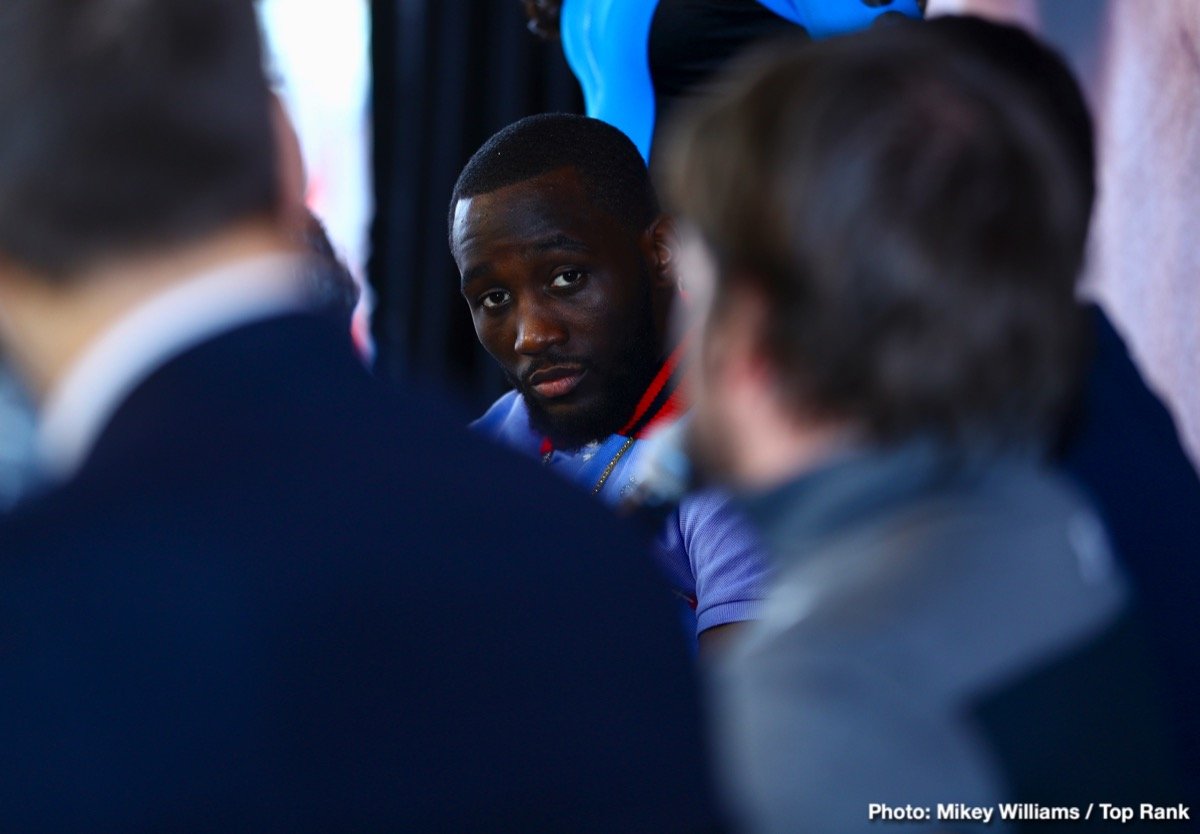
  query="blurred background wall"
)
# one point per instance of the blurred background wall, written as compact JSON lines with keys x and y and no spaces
{"x":318,"y":55}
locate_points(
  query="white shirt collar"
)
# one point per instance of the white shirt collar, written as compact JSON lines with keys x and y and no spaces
{"x":167,"y":325}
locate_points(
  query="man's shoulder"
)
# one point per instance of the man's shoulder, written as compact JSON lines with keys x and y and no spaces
{"x":233,"y":432}
{"x":508,"y":406}
{"x":348,"y":559}
{"x":506,"y":419}
{"x":1011,"y":561}
{"x":1016,"y":521}
{"x":704,"y":503}
{"x":982,"y":508}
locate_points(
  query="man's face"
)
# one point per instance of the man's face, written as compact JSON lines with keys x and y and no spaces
{"x":562,"y":296}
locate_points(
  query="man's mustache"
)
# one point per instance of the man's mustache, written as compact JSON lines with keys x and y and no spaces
{"x":544,"y":362}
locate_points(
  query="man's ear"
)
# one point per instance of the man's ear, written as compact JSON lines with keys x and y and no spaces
{"x":660,"y":243}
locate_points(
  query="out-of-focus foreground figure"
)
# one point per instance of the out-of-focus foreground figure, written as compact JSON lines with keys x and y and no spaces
{"x":884,"y":235}
{"x":264,"y":593}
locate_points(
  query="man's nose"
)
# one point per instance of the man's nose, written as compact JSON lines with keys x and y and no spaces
{"x":537,"y":331}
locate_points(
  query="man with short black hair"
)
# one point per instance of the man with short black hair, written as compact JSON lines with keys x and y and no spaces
{"x":567,"y":269}
{"x":252,"y":598}
{"x":884,"y":234}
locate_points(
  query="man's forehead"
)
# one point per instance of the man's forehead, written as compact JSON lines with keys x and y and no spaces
{"x":532,"y":212}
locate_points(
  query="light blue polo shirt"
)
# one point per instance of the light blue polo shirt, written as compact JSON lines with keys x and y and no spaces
{"x":710,"y":554}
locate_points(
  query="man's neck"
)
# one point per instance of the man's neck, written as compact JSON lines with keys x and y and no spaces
{"x":766,"y":465}
{"x":49,"y":324}
{"x":770,"y":446}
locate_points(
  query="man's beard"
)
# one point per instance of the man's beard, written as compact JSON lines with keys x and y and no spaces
{"x":624,"y":383}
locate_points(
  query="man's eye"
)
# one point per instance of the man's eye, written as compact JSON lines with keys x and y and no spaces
{"x":492,"y":300}
{"x":567,"y":278}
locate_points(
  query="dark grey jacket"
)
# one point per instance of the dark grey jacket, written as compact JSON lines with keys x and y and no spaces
{"x":940,"y":632}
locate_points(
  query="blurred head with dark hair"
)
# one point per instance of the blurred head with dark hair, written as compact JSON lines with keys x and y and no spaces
{"x":128,"y":124}
{"x":885,"y":231}
{"x":137,"y":151}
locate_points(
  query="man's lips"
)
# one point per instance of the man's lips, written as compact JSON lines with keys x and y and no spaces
{"x":556,"y":381}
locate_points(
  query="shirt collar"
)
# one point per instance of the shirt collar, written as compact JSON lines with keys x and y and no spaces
{"x":159,"y":329}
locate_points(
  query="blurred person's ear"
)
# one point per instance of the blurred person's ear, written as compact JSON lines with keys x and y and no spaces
{"x":662,"y":241}
{"x":290,"y":166}
{"x":658,"y":251}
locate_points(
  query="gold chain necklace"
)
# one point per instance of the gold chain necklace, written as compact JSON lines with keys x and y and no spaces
{"x":608,"y":470}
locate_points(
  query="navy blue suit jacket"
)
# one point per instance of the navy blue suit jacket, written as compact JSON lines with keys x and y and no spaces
{"x":1123,"y":449}
{"x":277,"y":597}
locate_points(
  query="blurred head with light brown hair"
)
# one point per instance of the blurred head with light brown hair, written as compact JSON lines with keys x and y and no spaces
{"x":883,"y":233}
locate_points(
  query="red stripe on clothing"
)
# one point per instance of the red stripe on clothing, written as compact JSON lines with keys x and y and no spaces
{"x":672,"y":410}
{"x":656,"y":385}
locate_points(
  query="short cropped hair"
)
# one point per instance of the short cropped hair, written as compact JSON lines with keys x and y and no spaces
{"x":127,"y":125}
{"x":915,"y":216}
{"x":608,"y":163}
